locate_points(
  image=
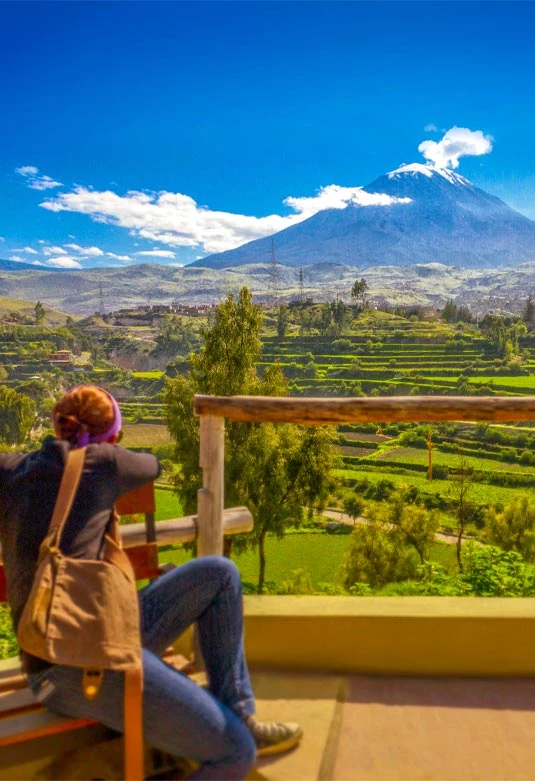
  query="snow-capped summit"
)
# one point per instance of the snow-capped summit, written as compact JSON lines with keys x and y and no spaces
{"x":432,"y":215}
{"x":428,"y":170}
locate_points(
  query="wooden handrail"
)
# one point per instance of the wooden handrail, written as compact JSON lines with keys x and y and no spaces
{"x":318,"y":411}
{"x":236,"y":520}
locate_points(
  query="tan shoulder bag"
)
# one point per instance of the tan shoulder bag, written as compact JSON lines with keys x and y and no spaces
{"x":85,"y":613}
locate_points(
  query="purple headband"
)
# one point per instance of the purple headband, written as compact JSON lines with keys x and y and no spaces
{"x":85,"y":438}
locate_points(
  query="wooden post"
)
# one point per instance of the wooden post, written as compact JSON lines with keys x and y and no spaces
{"x":210,"y":497}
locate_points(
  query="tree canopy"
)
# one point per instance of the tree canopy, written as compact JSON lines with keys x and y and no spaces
{"x":17,"y":416}
{"x":278,"y":470}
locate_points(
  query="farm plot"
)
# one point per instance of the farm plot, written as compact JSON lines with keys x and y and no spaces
{"x":145,"y":435}
{"x":523,"y":383}
{"x":479,"y":493}
{"x":410,"y":455}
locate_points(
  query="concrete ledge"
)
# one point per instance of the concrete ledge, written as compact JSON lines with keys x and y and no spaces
{"x":392,"y":635}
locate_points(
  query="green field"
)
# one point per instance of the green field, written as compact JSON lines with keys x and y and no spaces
{"x":410,"y":455}
{"x":320,"y":555}
{"x":145,"y":435}
{"x":168,"y":504}
{"x":479,"y":493}
{"x":523,"y":382}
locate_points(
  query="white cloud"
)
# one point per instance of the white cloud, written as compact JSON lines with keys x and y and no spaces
{"x":44,"y":183}
{"x":336,"y":197}
{"x":122,"y":258}
{"x":36,"y":181}
{"x":456,"y":142}
{"x":2,"y":238}
{"x":158,"y":253}
{"x":177,"y":220}
{"x":27,"y":170}
{"x":431,"y":128}
{"x":64,"y":262}
{"x":92,"y":251}
{"x":18,"y":259}
{"x":30,"y":251}
{"x":54,"y":251}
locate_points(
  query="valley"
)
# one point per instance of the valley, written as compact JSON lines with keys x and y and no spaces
{"x":366,"y":352}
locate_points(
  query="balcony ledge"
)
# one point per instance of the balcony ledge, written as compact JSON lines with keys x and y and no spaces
{"x":438,"y":636}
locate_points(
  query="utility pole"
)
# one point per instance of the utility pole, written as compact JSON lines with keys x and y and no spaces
{"x":429,"y":454}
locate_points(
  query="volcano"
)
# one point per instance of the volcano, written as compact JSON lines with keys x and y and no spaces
{"x":443,"y":218}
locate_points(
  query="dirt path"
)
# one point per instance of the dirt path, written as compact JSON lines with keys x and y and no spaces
{"x":341,"y":517}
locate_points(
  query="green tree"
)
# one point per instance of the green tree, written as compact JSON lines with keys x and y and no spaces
{"x":353,"y":506}
{"x":514,"y":528}
{"x":515,"y":332}
{"x":461,"y":489}
{"x":528,"y":311}
{"x":278,"y":471}
{"x":495,"y":331}
{"x":39,"y":313}
{"x":340,"y":317}
{"x":324,"y":319}
{"x":417,"y":524}
{"x":378,"y":554}
{"x":359,"y":291}
{"x":449,"y":313}
{"x":283,"y":320}
{"x":17,"y":416}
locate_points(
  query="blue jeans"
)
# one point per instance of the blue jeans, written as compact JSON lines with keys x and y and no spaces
{"x":179,"y":717}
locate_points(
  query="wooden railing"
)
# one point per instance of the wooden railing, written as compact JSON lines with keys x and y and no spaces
{"x":315,"y":412}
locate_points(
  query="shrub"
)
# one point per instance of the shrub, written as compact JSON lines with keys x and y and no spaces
{"x":342,"y":345}
{"x":8,"y":643}
{"x":298,"y":582}
{"x":378,"y":556}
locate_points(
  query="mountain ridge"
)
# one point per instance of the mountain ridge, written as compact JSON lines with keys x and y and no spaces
{"x":447,"y":220}
{"x":431,"y":284}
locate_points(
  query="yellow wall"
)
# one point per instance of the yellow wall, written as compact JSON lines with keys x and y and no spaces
{"x":393,"y":635}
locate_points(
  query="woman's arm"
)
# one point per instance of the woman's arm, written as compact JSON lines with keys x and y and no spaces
{"x":134,"y":469}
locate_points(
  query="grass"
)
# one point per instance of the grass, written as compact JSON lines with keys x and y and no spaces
{"x":149,"y":375}
{"x":525,"y":381}
{"x":321,"y":555}
{"x":145,"y":435}
{"x":168,"y":504}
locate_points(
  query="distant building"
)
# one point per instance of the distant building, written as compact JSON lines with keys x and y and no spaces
{"x":61,"y":356}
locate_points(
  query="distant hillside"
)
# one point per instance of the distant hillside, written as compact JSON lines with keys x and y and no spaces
{"x":443,"y":218}
{"x":14,"y":265}
{"x":426,"y":284}
{"x":11,"y":309}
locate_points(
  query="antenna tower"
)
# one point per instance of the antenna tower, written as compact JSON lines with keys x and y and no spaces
{"x":101,"y":300}
{"x":301,"y":287}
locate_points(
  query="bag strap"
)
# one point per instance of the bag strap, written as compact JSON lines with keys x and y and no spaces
{"x":133,"y":679}
{"x":133,"y":724}
{"x":67,"y":491}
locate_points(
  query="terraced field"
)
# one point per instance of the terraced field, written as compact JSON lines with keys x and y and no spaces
{"x":389,"y":355}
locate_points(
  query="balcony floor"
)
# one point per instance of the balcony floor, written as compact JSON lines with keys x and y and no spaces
{"x":373,"y":728}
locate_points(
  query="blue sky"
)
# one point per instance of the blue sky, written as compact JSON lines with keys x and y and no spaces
{"x":167,"y":131}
